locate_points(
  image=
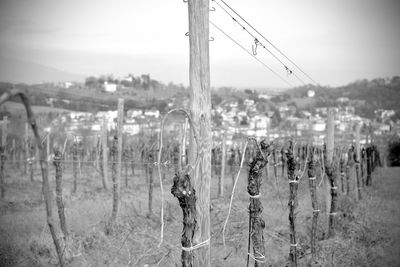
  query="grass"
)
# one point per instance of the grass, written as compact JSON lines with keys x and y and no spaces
{"x":368,"y":230}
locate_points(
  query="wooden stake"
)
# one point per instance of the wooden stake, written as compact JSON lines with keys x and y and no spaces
{"x":59,"y":194}
{"x":117,"y":160}
{"x":104,"y":154}
{"x":329,"y":169}
{"x":314,"y":201}
{"x":293,"y":187}
{"x":200,"y":106}
{"x":75,"y":165}
{"x":223,"y":160}
{"x":26,"y":143}
{"x":4,"y":131}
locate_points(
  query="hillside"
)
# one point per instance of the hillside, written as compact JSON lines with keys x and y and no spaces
{"x":366,"y":96}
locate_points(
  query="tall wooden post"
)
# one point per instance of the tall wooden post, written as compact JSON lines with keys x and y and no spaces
{"x":4,"y":131}
{"x":200,"y":105}
{"x":223,"y":160}
{"x":116,"y":181}
{"x":104,"y":153}
{"x":329,"y":168}
{"x":3,"y":155}
{"x":26,"y":143}
{"x":358,"y":162}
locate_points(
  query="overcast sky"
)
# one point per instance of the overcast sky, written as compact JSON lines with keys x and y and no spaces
{"x":334,"y":41}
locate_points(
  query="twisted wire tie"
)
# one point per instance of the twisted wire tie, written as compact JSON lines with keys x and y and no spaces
{"x":293,"y":181}
{"x":316,"y":211}
{"x":312,"y":178}
{"x":333,"y":213}
{"x":199,"y":245}
{"x":255,"y":196}
{"x":334,"y":187}
{"x":259,"y":259}
{"x":293,"y":245}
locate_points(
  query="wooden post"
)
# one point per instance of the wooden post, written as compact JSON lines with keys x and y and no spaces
{"x":48,"y":146}
{"x":200,"y":105}
{"x":75,"y":165}
{"x":150,"y":182}
{"x":3,"y":155}
{"x":2,"y":176}
{"x":118,"y":158}
{"x":223,"y":160}
{"x":59,"y":197}
{"x":4,"y":132}
{"x":293,"y":187}
{"x":311,"y":165}
{"x":329,"y":169}
{"x":104,"y":154}
{"x":26,"y":143}
{"x":14,"y":152}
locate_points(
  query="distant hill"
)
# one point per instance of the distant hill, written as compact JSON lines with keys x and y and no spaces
{"x":365,"y":95}
{"x":20,"y":71}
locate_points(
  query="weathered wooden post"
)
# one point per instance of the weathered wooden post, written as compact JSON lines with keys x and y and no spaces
{"x":369,"y":165}
{"x":117,"y":161}
{"x":75,"y":165}
{"x":357,"y":159}
{"x":293,"y":186}
{"x":3,"y":155}
{"x":329,"y":169}
{"x":104,"y":154}
{"x":350,"y":163}
{"x":223,"y":160}
{"x":2,"y":176}
{"x":26,"y":148}
{"x":4,"y":132}
{"x":342,"y":173}
{"x":200,"y":107}
{"x":314,"y":201}
{"x":150,"y":181}
{"x":59,"y":191}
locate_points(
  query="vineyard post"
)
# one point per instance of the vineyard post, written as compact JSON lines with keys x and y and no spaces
{"x":59,"y":198}
{"x":200,"y":105}
{"x":358,"y":161}
{"x":4,"y":123}
{"x":329,"y":169}
{"x":48,"y":145}
{"x":14,"y":152}
{"x":26,"y":144}
{"x":293,"y":187}
{"x":369,"y":165}
{"x":118,"y":158}
{"x":181,"y":149}
{"x":311,"y":164}
{"x":350,"y":162}
{"x":3,"y":155}
{"x":223,"y":160}
{"x":30,"y":160}
{"x":104,"y":153}
{"x":342,"y":173}
{"x":75,"y":165}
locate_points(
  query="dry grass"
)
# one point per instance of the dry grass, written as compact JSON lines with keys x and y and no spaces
{"x":368,"y":231}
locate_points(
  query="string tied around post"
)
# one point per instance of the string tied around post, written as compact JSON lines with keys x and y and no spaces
{"x":199,"y":245}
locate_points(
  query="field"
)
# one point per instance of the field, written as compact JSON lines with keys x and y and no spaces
{"x":368,"y":231}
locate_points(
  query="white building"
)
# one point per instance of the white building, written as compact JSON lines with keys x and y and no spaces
{"x":110,"y":87}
